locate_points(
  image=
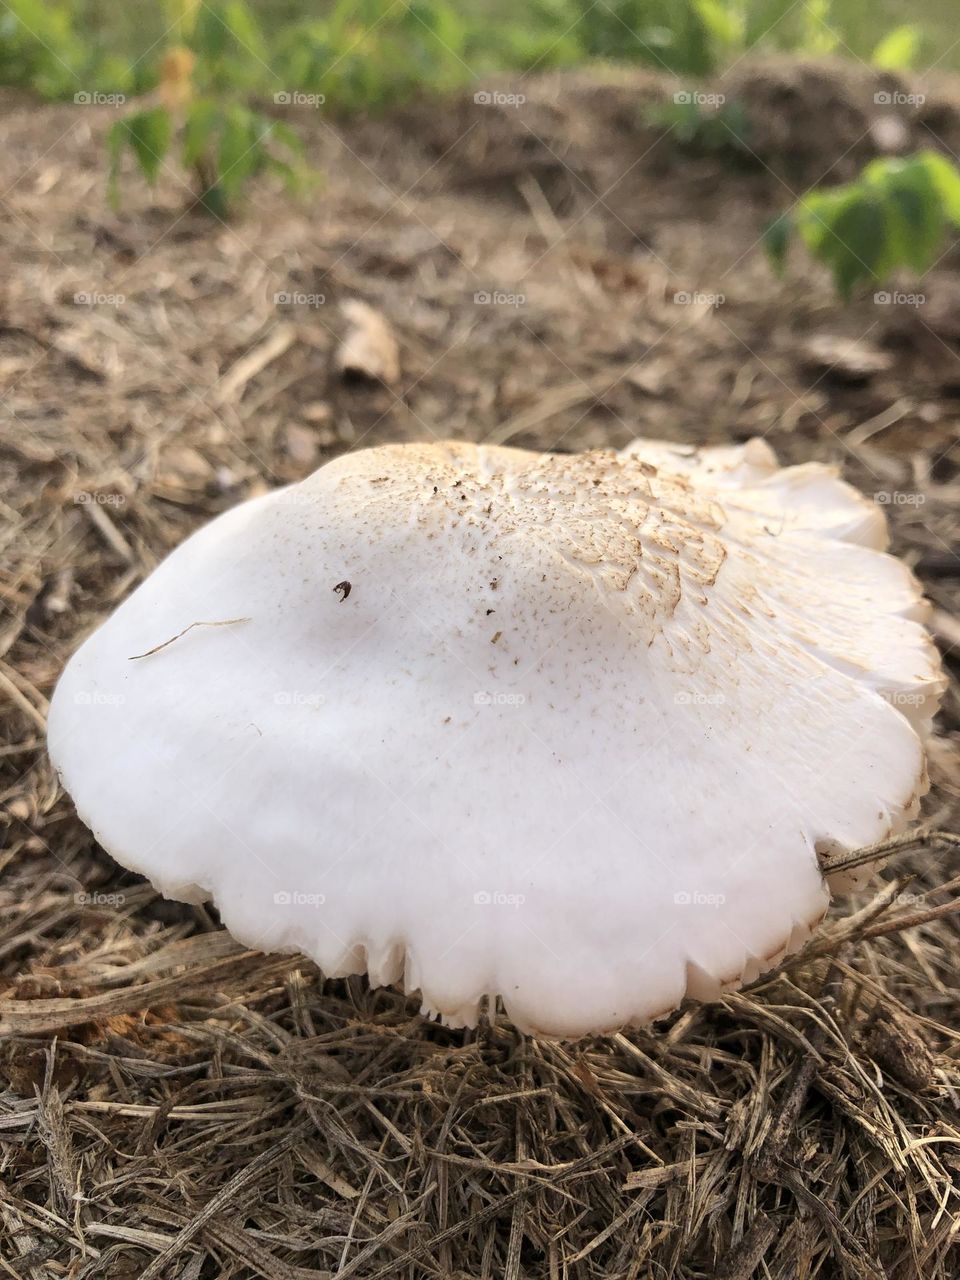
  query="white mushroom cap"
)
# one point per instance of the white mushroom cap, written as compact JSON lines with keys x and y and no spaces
{"x":569,"y":729}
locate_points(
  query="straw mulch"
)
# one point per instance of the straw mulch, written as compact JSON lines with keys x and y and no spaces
{"x":172,"y":1106}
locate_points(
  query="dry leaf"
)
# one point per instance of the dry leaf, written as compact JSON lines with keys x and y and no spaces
{"x":845,"y":359}
{"x":369,"y":349}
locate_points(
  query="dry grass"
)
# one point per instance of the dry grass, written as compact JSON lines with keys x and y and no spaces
{"x":175,"y":1107}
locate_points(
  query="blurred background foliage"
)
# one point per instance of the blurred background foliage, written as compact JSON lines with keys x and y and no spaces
{"x":369,"y":53}
{"x":208,"y":72}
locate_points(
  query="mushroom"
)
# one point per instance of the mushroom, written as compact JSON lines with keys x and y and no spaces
{"x":567,"y":729}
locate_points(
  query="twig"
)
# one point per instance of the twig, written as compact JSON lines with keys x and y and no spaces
{"x":226,"y":622}
{"x":750,"y":1252}
{"x":912,"y":920}
{"x":21,"y":700}
{"x":254,"y":362}
{"x":223,"y":1197}
{"x":884,"y":848}
{"x":889,"y":416}
{"x":30,"y":1017}
{"x":109,"y":532}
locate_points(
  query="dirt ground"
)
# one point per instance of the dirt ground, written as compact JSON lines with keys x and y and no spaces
{"x":560,"y":273}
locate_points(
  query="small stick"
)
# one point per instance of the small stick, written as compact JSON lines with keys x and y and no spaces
{"x":770,"y":1165}
{"x":19,"y":699}
{"x":109,"y":532}
{"x":253,"y":362}
{"x":226,"y":622}
{"x":246,"y":1174}
{"x":876,"y":852}
{"x":892,"y":414}
{"x":910,"y":921}
{"x":750,"y":1252}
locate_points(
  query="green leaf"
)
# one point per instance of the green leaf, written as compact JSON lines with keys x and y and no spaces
{"x":776,"y":241}
{"x":945,"y":177}
{"x":848,"y":233}
{"x":895,"y":215}
{"x":367,"y":13}
{"x":211,"y":35}
{"x":860,"y":252}
{"x":898,"y":50}
{"x":287,"y":137}
{"x":819,"y":36}
{"x":116,"y":141}
{"x":215,"y":202}
{"x":916,"y":216}
{"x":148,"y":134}
{"x":243,"y":26}
{"x":725,"y":22}
{"x":439,"y":19}
{"x":200,"y":131}
{"x":241,"y":153}
{"x":291,"y":175}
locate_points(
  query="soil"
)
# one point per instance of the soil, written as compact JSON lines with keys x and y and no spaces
{"x":559,"y":273}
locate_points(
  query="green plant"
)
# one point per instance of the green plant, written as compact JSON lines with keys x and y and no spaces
{"x":705,"y":127}
{"x":895,"y":215}
{"x":367,"y":55}
{"x":670,"y":34}
{"x":42,"y":49}
{"x":222,"y":146}
{"x":231,"y":51}
{"x":542,"y":35}
{"x":223,"y":142}
{"x":364,"y":54}
{"x":898,"y":50}
{"x":700,"y":37}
